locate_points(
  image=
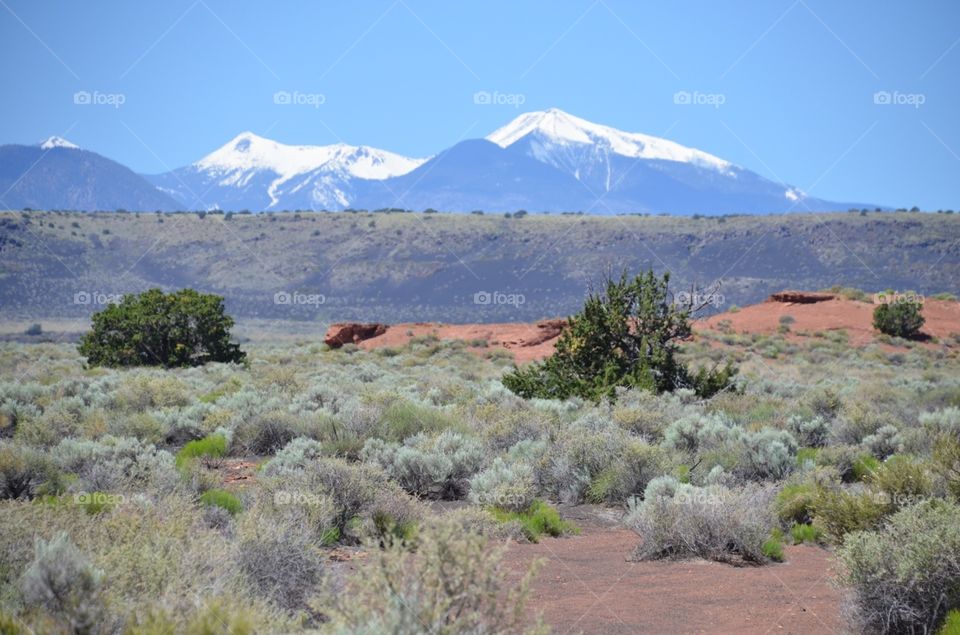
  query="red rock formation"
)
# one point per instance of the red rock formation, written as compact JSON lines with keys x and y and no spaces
{"x":800,"y":297}
{"x":352,"y":333}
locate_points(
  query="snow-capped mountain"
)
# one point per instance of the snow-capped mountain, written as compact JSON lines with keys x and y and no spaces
{"x":560,"y":135}
{"x":553,"y":161}
{"x":630,"y":171}
{"x":541,"y":161}
{"x":57,"y":142}
{"x":252,"y":172}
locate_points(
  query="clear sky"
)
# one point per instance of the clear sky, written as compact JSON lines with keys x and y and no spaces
{"x":783,"y":87}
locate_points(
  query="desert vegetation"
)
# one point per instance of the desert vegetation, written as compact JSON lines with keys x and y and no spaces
{"x":121,"y":512}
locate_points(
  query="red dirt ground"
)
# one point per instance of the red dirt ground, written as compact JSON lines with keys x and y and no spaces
{"x":942,"y":318}
{"x":535,"y":341}
{"x":587,"y":585}
{"x":527,"y":342}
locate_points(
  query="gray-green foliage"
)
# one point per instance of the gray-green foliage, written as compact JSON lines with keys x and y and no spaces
{"x":716,"y":440}
{"x":294,"y":456}
{"x":435,"y":467}
{"x":507,"y":485}
{"x":62,"y":581}
{"x":904,"y":576}
{"x":112,"y":464}
{"x":715,"y":522}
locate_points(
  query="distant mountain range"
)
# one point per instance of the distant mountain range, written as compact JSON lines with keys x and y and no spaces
{"x":541,"y":161}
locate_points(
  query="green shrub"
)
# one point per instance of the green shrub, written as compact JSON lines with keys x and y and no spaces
{"x":865,"y":466}
{"x":536,"y":521}
{"x":208,"y":449}
{"x":946,"y":462}
{"x":837,"y":513}
{"x":153,"y":328}
{"x":802,"y":532}
{"x":902,"y":482}
{"x":898,"y":319}
{"x":772,"y":547}
{"x":951,"y":625}
{"x":222,"y":499}
{"x":627,"y":336}
{"x":904,"y":576}
{"x":795,"y":501}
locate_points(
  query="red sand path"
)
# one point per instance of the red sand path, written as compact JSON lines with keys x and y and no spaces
{"x":587,"y":585}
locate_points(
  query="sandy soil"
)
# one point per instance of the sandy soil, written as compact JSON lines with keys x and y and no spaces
{"x":529,"y":342}
{"x":587,"y":585}
{"x":526,"y":341}
{"x":942,"y":318}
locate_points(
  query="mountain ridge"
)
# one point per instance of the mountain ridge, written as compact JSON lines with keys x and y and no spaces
{"x":540,"y":161}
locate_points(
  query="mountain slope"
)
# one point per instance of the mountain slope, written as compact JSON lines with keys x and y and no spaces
{"x":478,"y":175}
{"x":402,"y":267}
{"x":541,"y":161}
{"x":251,"y":172}
{"x":56,"y":174}
{"x":634,"y":172}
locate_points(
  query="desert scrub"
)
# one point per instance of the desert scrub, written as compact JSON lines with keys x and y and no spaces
{"x":436,"y":467}
{"x":904,"y":575}
{"x":62,"y":581}
{"x":447,"y":581}
{"x":363,"y":501}
{"x":678,"y":520}
{"x":537,"y":520}
{"x":281,"y":561}
{"x":115,"y":464}
{"x":222,"y":499}
{"x":263,"y":435}
{"x":507,"y":486}
{"x":804,"y":533}
{"x":294,"y":456}
{"x":839,"y":512}
{"x":714,"y":439}
{"x":210,"y":450}
{"x":25,"y":473}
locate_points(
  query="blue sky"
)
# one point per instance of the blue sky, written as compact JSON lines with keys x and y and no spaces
{"x":783,"y":87}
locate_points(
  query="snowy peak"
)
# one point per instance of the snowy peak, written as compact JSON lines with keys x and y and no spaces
{"x":563,"y":129}
{"x":57,"y":142}
{"x":248,"y":151}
